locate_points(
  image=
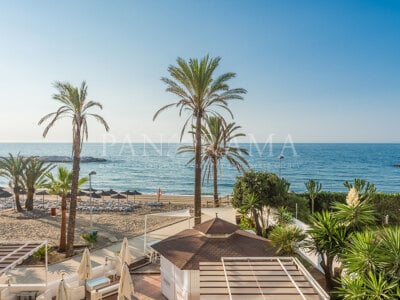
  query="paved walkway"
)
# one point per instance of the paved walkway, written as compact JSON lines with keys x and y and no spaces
{"x":37,"y":274}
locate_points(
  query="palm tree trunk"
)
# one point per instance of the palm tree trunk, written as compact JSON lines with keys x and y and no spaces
{"x":328,"y":272}
{"x":216,"y":200}
{"x":63,"y":230}
{"x":197,"y":171}
{"x":256,"y":221}
{"x":74,"y":192}
{"x":17,"y":202}
{"x":29,"y":199}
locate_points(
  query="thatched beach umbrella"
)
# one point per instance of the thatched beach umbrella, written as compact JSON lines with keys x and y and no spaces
{"x":128,"y":193}
{"x":118,"y":196}
{"x":126,"y":288}
{"x":5,"y":194}
{"x":112,"y":192}
{"x":85,"y":267}
{"x":94,"y":195}
{"x":43,"y":193}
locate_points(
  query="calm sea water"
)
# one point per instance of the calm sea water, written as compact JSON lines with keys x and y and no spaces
{"x":146,"y":167}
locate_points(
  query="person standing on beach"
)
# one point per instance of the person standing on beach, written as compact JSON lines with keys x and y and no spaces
{"x":159,"y":193}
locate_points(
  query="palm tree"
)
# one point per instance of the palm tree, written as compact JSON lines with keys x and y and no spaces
{"x":13,"y":168}
{"x":74,"y":105}
{"x":328,"y":240}
{"x":199,"y":94}
{"x":254,"y":206}
{"x":313,"y":188}
{"x":217,"y":137}
{"x":286,"y":238}
{"x":34,"y":177}
{"x":372,"y":261}
{"x":61,"y":185}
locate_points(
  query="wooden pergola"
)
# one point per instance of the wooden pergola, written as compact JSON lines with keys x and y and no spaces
{"x":14,"y":253}
{"x":242,"y":278}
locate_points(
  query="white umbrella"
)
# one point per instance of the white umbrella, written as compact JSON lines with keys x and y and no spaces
{"x":62,"y":293}
{"x":85,"y":267}
{"x":125,"y":289}
{"x":124,"y":254}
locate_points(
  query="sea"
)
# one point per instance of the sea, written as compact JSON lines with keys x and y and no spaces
{"x":146,"y":167}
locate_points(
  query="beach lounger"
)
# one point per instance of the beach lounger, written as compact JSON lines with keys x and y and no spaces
{"x":104,"y":292}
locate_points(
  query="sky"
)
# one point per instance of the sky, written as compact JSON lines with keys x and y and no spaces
{"x":315,"y":71}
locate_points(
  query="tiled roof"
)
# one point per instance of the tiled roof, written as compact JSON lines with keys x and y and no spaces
{"x":189,"y":247}
{"x":216,"y":226}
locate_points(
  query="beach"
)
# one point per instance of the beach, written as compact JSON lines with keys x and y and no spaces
{"x":40,"y":225}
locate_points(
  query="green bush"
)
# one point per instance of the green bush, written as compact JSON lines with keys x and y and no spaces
{"x":246,"y":223}
{"x":387,"y":204}
{"x":90,"y":237}
{"x":303,"y":210}
{"x":41,"y":253}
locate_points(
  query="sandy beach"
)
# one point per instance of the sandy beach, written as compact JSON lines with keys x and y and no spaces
{"x":111,"y":226}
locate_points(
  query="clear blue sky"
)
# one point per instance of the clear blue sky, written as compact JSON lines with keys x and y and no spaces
{"x":319,"y":71}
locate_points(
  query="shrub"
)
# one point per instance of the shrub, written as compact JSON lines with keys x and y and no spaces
{"x":286,"y":238}
{"x":90,"y":237}
{"x":41,"y":252}
{"x":246,"y":223}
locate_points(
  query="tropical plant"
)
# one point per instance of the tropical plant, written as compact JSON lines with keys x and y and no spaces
{"x":217,"y":137}
{"x":365,"y":189}
{"x":313,"y":188}
{"x":199,"y":94}
{"x":12,"y":168}
{"x":254,"y":206}
{"x":268,"y":187}
{"x":90,"y":237}
{"x":328,"y":239}
{"x":34,"y":176}
{"x":372,"y":286}
{"x":283,"y":217}
{"x":61,"y":185}
{"x":41,"y":252}
{"x":287,"y":239}
{"x":74,"y":105}
{"x":357,"y":212}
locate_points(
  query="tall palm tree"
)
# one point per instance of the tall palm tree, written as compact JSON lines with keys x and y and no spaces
{"x":61,"y":185}
{"x":74,"y":105}
{"x":217,"y":137}
{"x":13,"y":168}
{"x":199,"y":94}
{"x":34,"y":177}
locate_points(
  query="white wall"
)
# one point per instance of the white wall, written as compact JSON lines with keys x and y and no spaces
{"x":179,"y":284}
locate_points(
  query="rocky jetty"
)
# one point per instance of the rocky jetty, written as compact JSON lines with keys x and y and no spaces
{"x":67,"y":159}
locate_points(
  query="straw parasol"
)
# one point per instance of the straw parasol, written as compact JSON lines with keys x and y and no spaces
{"x":94,"y":195}
{"x":5,"y":194}
{"x":62,"y":293}
{"x":85,"y":267}
{"x":112,"y":192}
{"x":126,"y":288}
{"x":42,"y":193}
{"x":118,"y":196}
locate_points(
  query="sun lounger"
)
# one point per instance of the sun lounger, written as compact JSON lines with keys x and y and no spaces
{"x":104,"y":292}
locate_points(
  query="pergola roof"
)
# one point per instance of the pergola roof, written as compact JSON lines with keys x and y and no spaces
{"x":280,"y":278}
{"x":14,"y":253}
